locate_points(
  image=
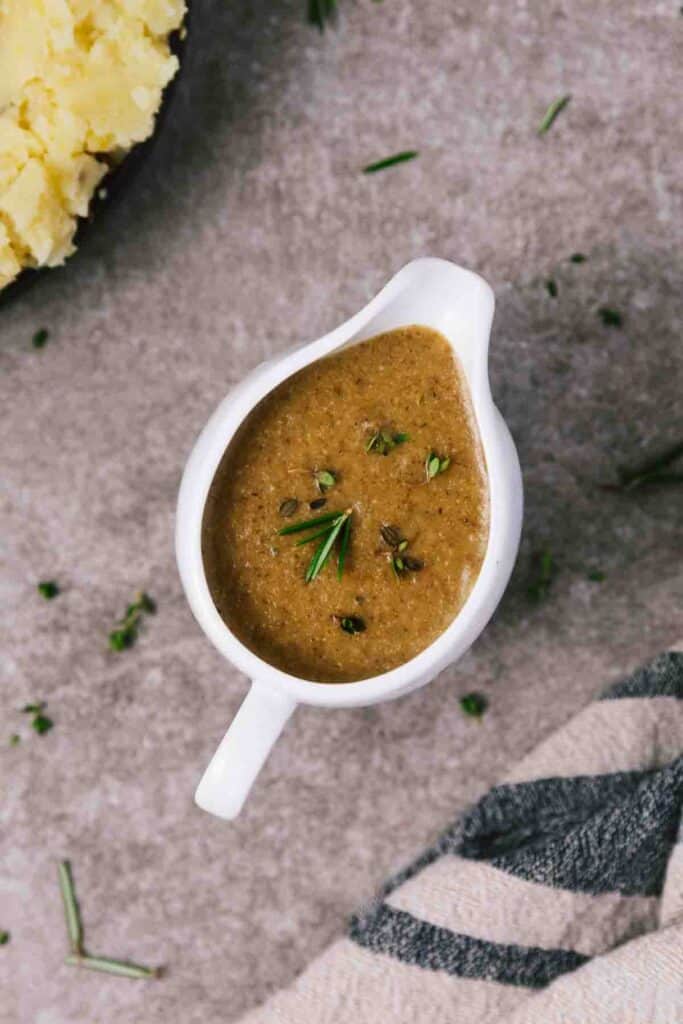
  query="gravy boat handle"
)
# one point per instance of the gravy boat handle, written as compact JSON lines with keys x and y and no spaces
{"x":232,"y":771}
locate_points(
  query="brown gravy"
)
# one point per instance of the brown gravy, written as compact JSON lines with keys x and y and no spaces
{"x":393,"y":598}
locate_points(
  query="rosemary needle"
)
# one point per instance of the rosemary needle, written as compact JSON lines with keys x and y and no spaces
{"x":308,"y":523}
{"x":120,"y":967}
{"x":73,"y":917}
{"x":343,"y":546}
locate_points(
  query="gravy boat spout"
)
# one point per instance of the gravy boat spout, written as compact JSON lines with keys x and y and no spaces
{"x":430,"y":292}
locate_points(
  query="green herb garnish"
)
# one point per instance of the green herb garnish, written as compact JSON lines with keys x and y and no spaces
{"x":351,"y":624}
{"x":400,"y":561}
{"x":40,"y":338}
{"x":595,"y":576}
{"x":551,"y":113}
{"x":551,"y":287}
{"x":474,"y":704}
{"x":333,"y":526}
{"x":4,"y":938}
{"x":48,"y":589}
{"x":391,"y":161}
{"x":325,"y":479}
{"x":610,"y":317}
{"x":391,"y":535}
{"x":320,"y":12}
{"x":654,"y":470}
{"x":577,"y":257}
{"x":288,"y":507}
{"x":544,"y":571}
{"x":40,"y":723}
{"x":78,"y":957}
{"x":383,"y":441}
{"x":126,"y":632}
{"x":435,"y":464}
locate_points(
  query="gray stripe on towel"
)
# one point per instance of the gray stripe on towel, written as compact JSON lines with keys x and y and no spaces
{"x":663,"y":677}
{"x":398,"y":934}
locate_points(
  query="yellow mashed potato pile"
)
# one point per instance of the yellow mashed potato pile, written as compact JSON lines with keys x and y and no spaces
{"x":78,"y":78}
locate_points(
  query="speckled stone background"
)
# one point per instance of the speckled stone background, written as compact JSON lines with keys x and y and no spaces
{"x":251,"y":229}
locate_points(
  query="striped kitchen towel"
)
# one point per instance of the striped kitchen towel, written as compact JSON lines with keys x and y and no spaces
{"x":557,"y":899}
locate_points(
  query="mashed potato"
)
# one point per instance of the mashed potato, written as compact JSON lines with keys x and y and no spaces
{"x":78,"y":78}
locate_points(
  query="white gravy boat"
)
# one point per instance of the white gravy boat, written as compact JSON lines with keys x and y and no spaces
{"x":459,"y":304}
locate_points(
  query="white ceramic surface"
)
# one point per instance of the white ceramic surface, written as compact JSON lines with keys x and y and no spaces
{"x":460,"y":305}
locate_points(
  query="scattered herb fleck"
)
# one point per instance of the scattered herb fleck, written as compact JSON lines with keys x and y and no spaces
{"x":325,"y":479}
{"x":288,"y":507}
{"x":551,"y":287}
{"x":435,"y":464}
{"x":121,"y":968}
{"x":40,"y":338}
{"x":15,"y":739}
{"x":320,"y":12}
{"x":4,"y":938}
{"x":596,"y":576}
{"x":610,"y":317}
{"x":474,"y":704}
{"x":351,"y":624}
{"x":48,"y":589}
{"x":126,"y":632}
{"x":40,"y":723}
{"x":317,"y":504}
{"x":556,"y":107}
{"x":653,"y":470}
{"x":543,"y":573}
{"x":383,"y":441}
{"x":71,"y":910}
{"x":391,"y":161}
{"x":577,"y":257}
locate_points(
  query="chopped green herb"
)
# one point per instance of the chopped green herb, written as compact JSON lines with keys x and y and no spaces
{"x":610,"y":317}
{"x":4,"y":938}
{"x":318,"y":503}
{"x":596,"y":576}
{"x":391,"y":161}
{"x":15,"y":739}
{"x":48,"y":589}
{"x":41,"y":724}
{"x":551,"y":287}
{"x":382,"y":442}
{"x":288,"y":507}
{"x":402,"y":546}
{"x":34,"y":709}
{"x":320,"y":12}
{"x":324,"y":479}
{"x":435,"y":464}
{"x":577,"y":257}
{"x":40,"y":338}
{"x":474,"y":704}
{"x":126,"y":632}
{"x":544,"y":571}
{"x":351,"y":624}
{"x":654,"y":470}
{"x":551,"y":113}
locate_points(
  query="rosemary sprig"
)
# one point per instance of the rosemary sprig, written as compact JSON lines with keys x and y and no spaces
{"x":71,"y":911}
{"x":120,"y":967}
{"x":551,"y":113}
{"x":333,"y":526}
{"x":78,"y":956}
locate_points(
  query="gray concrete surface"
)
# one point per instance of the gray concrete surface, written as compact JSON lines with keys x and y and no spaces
{"x":250,"y":229}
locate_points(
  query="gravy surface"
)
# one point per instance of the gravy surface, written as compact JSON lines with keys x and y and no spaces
{"x":404,"y":382}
